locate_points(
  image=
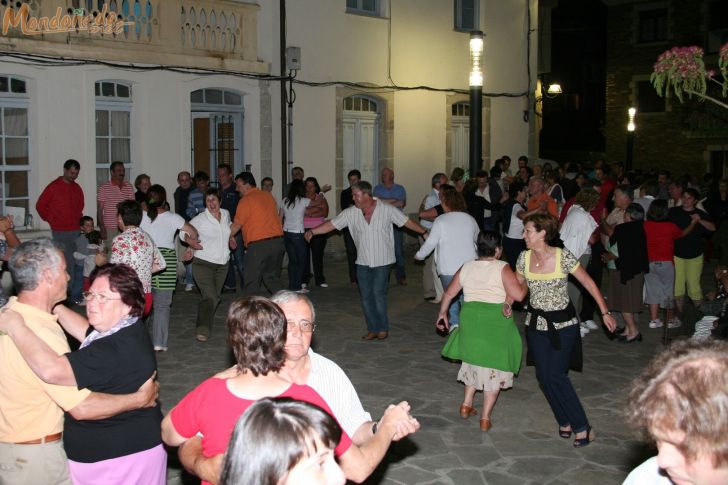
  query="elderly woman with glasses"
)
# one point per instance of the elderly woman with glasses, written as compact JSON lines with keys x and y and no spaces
{"x":115,"y":357}
{"x":257,"y":331}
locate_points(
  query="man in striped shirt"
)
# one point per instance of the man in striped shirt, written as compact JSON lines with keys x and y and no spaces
{"x":370,"y":224}
{"x":110,"y":194}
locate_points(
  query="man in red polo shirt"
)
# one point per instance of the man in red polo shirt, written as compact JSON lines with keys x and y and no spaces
{"x":257,"y":217}
{"x":61,"y":206}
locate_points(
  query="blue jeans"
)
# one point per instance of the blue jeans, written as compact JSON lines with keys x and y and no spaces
{"x":236,"y":264}
{"x":297,"y":250}
{"x":373,"y":283}
{"x":399,"y":253}
{"x":77,"y":283}
{"x":552,"y":372}
{"x":453,"y":313}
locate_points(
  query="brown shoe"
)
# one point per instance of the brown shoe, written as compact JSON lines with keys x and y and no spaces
{"x":369,"y":336}
{"x":382,"y":335}
{"x":467,"y":411}
{"x":485,"y":425}
{"x":402,"y":281}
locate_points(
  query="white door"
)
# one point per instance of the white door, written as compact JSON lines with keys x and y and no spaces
{"x":460,"y":146}
{"x":360,"y":145}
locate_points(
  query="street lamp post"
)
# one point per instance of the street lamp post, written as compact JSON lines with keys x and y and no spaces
{"x":476,"y":102}
{"x":630,"y":138}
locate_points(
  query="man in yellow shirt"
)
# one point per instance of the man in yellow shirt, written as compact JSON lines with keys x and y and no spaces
{"x":31,"y":411}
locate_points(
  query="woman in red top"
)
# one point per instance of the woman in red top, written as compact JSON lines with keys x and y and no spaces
{"x":257,"y":330}
{"x":660,"y":281}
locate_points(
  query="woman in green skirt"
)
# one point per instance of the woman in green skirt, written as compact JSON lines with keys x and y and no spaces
{"x":487,"y":340}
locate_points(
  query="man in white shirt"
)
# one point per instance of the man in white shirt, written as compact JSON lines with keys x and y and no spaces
{"x":578,"y":233}
{"x":370,"y":223}
{"x":431,"y":285}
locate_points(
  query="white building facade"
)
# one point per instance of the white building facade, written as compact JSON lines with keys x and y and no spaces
{"x":190,"y":84}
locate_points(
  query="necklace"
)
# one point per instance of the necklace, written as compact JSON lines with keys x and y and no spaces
{"x":542,"y":260}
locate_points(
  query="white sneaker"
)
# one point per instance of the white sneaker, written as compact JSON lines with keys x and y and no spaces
{"x":674,"y":323}
{"x":591,"y":325}
{"x":303,"y":285}
{"x":302,"y":291}
{"x":189,"y":287}
{"x":324,"y":285}
{"x":656,"y":323}
{"x":584,"y":331}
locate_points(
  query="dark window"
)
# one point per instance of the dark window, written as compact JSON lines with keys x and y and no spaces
{"x":717,"y":26}
{"x":652,"y":25}
{"x":369,"y":7}
{"x":648,"y":101}
{"x":466,"y":15}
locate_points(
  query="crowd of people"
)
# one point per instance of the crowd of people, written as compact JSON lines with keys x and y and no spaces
{"x":537,"y":240}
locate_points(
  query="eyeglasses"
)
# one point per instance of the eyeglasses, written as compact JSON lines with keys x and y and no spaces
{"x":99,"y":297}
{"x":304,"y":326}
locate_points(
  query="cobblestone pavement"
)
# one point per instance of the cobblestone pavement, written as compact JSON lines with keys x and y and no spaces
{"x":522,"y":447}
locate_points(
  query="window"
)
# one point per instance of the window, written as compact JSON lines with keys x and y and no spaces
{"x":648,"y":101}
{"x":717,"y":26}
{"x":467,"y":15}
{"x":367,"y":7}
{"x":113,"y":127}
{"x":652,"y":25}
{"x":14,"y":147}
{"x":461,"y":109}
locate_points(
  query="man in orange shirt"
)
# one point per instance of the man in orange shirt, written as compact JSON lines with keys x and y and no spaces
{"x":257,"y":217}
{"x":539,"y":199}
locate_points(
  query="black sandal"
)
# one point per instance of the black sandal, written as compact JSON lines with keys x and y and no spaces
{"x":590,"y":436}
{"x":564,"y":433}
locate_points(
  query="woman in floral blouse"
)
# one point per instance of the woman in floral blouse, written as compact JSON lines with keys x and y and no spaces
{"x":135,"y":247}
{"x":552,"y":327}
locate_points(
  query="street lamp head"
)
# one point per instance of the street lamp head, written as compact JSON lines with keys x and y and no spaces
{"x":476,"y":58}
{"x":554,"y":89}
{"x":630,"y":125}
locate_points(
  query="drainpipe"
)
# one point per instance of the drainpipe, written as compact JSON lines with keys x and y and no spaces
{"x":284,"y":120}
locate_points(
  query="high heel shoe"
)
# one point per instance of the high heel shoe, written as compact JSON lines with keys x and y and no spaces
{"x":627,"y":340}
{"x":467,"y":411}
{"x":566,"y":434}
{"x":590,"y":436}
{"x":485,"y":425}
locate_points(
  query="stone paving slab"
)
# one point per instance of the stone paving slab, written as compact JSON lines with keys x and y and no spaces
{"x":522,"y":447}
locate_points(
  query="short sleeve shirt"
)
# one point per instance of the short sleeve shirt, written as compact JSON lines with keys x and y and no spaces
{"x":110,"y":195}
{"x":135,"y":248}
{"x":212,"y":410}
{"x":163,"y":228}
{"x":30,"y":408}
{"x":329,"y":380}
{"x":257,"y":214}
{"x":548,"y":291}
{"x":117,"y":364}
{"x":692,"y":245}
{"x":374,"y":240}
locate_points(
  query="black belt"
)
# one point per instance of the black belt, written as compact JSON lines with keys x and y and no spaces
{"x":264,"y":239}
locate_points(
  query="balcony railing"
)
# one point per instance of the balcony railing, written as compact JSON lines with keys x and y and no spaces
{"x":194,"y":33}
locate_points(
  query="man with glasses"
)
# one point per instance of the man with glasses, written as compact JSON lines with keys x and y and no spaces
{"x":305,"y":367}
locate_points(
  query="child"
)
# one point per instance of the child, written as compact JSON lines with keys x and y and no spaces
{"x":86,"y":256}
{"x":86,"y":224}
